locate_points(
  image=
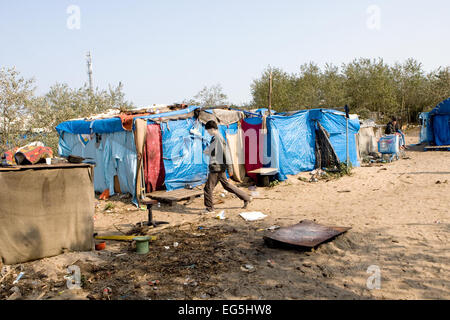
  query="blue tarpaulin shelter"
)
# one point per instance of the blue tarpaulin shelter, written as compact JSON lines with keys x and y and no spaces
{"x":114,"y":151}
{"x":292,"y":139}
{"x":440,"y":120}
{"x":184,"y":161}
{"x":290,"y":145}
{"x":426,"y":128}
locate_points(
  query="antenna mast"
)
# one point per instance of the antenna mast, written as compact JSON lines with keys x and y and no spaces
{"x":89,"y":70}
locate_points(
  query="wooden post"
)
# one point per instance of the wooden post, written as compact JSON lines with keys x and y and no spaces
{"x":270,"y":92}
{"x":347,"y":116}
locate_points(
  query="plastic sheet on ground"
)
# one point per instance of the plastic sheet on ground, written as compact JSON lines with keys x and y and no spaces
{"x":252,"y":216}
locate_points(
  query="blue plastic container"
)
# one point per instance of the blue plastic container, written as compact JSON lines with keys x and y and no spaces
{"x":389,"y":144}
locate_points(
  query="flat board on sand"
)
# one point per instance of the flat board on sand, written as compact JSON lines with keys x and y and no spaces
{"x":305,"y":234}
{"x":437,"y":148}
{"x":175,"y":195}
{"x":265,"y":171}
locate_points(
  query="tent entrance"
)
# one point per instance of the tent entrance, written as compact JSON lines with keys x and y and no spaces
{"x":326,"y":156}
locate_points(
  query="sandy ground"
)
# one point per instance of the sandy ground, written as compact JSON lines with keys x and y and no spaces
{"x":399,"y":214}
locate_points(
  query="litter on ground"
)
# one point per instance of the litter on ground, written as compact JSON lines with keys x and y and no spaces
{"x":253,"y":216}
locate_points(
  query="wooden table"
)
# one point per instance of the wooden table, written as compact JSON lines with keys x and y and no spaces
{"x":173,"y":196}
{"x":263,"y":175}
{"x":169,"y":197}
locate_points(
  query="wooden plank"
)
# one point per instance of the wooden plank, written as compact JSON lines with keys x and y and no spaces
{"x":46,"y":166}
{"x":9,"y":169}
{"x":265,"y":171}
{"x":175,"y":195}
{"x":436,"y":147}
{"x":148,"y":201}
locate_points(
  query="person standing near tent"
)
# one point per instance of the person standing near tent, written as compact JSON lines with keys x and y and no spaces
{"x":219,"y":161}
{"x":392,"y":128}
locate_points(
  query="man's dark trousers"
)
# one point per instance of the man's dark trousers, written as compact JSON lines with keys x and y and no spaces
{"x":213,"y":179}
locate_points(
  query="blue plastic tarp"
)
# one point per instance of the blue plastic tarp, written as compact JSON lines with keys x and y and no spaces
{"x":95,"y":126}
{"x":185,"y":163}
{"x":110,"y":125}
{"x":292,"y":139}
{"x":289,"y":146}
{"x":442,"y":108}
{"x":335,"y":124}
{"x":74,"y":127}
{"x":115,"y":154}
{"x":440,"y":122}
{"x":292,"y":144}
{"x":441,"y":127}
{"x":229,"y":129}
{"x":426,"y":128}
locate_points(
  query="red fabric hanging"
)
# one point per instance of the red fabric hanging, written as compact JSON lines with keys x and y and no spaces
{"x":154,"y":172}
{"x":253,"y":152}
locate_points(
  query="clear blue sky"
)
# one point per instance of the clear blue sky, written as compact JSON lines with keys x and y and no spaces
{"x":166,"y":51}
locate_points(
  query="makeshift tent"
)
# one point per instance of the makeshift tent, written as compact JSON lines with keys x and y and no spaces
{"x":165,"y":150}
{"x":440,"y":120}
{"x":426,"y":128}
{"x":184,"y":161}
{"x":367,"y":138}
{"x":114,"y":149}
{"x":291,"y":143}
{"x":114,"y":154}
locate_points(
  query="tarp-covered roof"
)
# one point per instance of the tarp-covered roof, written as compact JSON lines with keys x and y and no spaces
{"x":111,"y":125}
{"x":441,"y":108}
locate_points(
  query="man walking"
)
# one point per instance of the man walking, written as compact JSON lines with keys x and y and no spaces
{"x":219,"y":161}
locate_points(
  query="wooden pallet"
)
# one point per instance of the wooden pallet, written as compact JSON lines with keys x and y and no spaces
{"x":174,"y":196}
{"x":437,"y":148}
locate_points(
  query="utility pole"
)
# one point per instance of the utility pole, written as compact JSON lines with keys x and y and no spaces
{"x":347,"y":116}
{"x":89,"y":70}
{"x":270,"y":92}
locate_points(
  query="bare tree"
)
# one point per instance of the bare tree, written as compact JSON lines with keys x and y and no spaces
{"x":209,"y":97}
{"x":16,"y":93}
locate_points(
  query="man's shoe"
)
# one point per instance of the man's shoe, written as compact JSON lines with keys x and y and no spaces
{"x":207,"y":211}
{"x":246,"y":203}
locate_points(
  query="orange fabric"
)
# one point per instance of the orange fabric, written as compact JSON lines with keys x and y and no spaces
{"x":28,"y":155}
{"x":9,"y":157}
{"x":104,"y":195}
{"x":127,"y":120}
{"x":34,"y":154}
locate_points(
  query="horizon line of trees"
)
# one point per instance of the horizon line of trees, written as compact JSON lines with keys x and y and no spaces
{"x":25,"y":117}
{"x":369,"y":86}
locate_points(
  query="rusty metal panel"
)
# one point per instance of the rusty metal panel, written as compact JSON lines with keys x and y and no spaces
{"x":305,"y":234}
